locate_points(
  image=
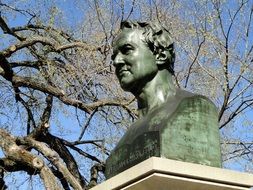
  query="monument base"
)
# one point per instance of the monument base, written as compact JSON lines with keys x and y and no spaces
{"x":164,"y":174}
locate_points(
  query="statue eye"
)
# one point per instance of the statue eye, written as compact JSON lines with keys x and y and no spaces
{"x":127,"y":49}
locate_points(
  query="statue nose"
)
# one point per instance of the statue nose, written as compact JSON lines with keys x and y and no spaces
{"x":118,"y":60}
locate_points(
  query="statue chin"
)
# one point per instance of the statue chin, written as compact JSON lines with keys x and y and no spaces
{"x":126,"y":86}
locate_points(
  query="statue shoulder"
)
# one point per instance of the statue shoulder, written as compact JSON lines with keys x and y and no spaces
{"x":183,"y":94}
{"x":191,"y":100}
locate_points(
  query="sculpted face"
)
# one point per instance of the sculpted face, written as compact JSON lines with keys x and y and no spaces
{"x":134,"y":62}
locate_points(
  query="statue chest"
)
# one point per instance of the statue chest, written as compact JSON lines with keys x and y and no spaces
{"x":186,"y":132}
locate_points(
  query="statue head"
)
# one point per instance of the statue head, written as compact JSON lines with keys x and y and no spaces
{"x":140,"y":51}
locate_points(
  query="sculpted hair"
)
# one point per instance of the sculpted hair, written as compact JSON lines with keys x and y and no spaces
{"x":158,"y":39}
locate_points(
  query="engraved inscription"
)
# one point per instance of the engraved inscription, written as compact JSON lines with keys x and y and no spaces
{"x":143,"y":147}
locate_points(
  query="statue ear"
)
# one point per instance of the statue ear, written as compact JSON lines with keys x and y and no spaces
{"x":161,"y":57}
{"x":164,"y":55}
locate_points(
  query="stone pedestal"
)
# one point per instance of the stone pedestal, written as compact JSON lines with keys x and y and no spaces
{"x":164,"y":174}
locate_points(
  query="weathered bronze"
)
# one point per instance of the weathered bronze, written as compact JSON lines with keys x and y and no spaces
{"x":173,"y":123}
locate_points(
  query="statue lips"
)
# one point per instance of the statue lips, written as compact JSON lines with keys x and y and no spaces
{"x":123,"y":72}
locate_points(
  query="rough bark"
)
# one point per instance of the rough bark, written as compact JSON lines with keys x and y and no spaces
{"x":54,"y":159}
{"x":19,"y":155}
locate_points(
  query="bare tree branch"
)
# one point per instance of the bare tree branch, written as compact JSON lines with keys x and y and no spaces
{"x":57,"y":145}
{"x":81,"y":152}
{"x":86,"y":124}
{"x":2,"y":183}
{"x":94,"y":174}
{"x":17,"y":154}
{"x":194,"y":60}
{"x":238,"y":110}
{"x":54,"y":159}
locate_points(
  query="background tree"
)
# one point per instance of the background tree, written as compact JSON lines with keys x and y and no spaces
{"x":62,"y":110}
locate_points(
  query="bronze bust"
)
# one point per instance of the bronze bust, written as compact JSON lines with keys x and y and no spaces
{"x":173,"y":123}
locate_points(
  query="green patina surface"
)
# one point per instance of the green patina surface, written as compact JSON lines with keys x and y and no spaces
{"x":185,"y":128}
{"x":174,"y":124}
